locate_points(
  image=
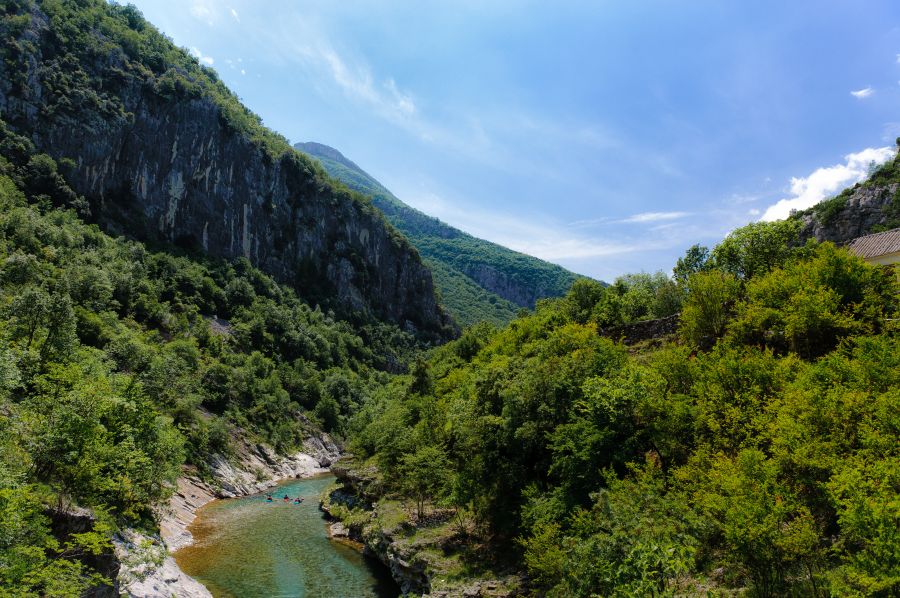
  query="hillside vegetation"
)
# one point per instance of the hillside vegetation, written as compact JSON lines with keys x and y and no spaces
{"x":113,"y":372}
{"x":478,"y":280}
{"x":758,"y":450}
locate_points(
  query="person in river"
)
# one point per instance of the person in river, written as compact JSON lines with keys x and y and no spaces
{"x":268,"y":498}
{"x":286,"y":498}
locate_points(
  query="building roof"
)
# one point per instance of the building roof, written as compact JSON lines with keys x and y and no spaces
{"x":875,"y":245}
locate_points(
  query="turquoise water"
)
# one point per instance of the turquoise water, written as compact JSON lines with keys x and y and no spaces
{"x":248,"y":547}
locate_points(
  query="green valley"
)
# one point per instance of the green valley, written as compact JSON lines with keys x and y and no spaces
{"x":191,"y":309}
{"x":478,"y":280}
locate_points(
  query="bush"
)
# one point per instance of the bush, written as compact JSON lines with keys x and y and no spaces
{"x":707,"y":308}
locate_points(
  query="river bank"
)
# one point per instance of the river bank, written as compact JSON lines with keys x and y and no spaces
{"x":146,"y":567}
{"x":426,"y":557}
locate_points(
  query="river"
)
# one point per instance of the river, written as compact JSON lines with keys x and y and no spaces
{"x":248,"y":547}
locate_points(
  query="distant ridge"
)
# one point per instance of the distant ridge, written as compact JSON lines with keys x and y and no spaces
{"x":478,"y":280}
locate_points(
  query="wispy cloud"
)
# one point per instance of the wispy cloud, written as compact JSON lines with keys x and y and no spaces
{"x":826,"y":181}
{"x":544,"y":240}
{"x":234,"y":15}
{"x":356,"y":80}
{"x":654,"y":217}
{"x":492,"y":138}
{"x":204,"y":10}
{"x":863,"y":93}
{"x":207,"y":60}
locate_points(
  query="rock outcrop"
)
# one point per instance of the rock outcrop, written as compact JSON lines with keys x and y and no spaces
{"x":75,"y":520}
{"x":410,"y":573}
{"x":866,"y":207}
{"x":148,"y":571}
{"x":524,"y":293}
{"x":161,"y":157}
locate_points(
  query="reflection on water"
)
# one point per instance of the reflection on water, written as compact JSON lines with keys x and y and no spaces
{"x":249,"y":547}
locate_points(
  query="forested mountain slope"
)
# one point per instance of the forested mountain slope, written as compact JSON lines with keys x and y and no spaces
{"x":114,"y":374}
{"x":161,"y":150}
{"x":478,"y":280}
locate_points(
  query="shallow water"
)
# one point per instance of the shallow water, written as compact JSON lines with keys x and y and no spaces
{"x":248,"y":547}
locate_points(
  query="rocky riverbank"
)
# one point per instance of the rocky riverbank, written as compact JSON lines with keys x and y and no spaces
{"x":146,"y":567}
{"x":420,"y":554}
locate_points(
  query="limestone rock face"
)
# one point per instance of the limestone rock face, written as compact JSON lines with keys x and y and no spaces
{"x":169,"y":166}
{"x":147,"y":571}
{"x":867,"y":206}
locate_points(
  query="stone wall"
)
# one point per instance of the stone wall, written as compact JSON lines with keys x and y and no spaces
{"x":631,"y":334}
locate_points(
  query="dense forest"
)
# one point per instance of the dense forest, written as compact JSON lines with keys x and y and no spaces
{"x":757,"y":449}
{"x":479,"y":281}
{"x":120,"y":363}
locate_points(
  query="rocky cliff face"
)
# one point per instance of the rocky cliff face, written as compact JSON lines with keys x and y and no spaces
{"x":165,"y":162}
{"x":866,"y":207}
{"x":509,"y":287}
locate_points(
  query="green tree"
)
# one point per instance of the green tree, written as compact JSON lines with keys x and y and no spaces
{"x":767,"y":529}
{"x":695,"y":259}
{"x":29,"y":311}
{"x":807,"y":307}
{"x":426,"y":476}
{"x":32,"y":561}
{"x":704,"y":315}
{"x":756,"y":248}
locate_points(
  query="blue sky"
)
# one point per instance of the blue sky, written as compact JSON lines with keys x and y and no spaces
{"x":605,"y":136}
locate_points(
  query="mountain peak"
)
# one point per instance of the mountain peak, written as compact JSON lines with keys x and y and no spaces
{"x":315,"y":148}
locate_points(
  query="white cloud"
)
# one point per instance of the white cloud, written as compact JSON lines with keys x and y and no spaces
{"x":234,"y":15}
{"x":654,"y":217}
{"x":204,"y":10}
{"x":862,"y":93}
{"x":540,"y":239}
{"x":403,"y":101}
{"x":898,"y":58}
{"x":207,"y":60}
{"x":357,"y":81}
{"x":825,"y":182}
{"x":642,"y":218}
